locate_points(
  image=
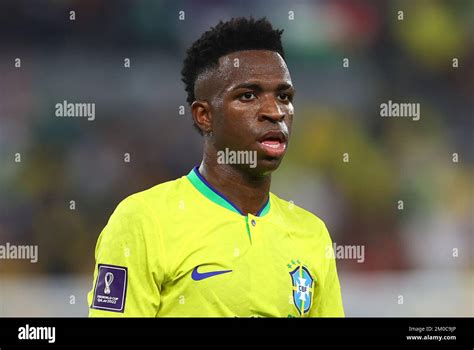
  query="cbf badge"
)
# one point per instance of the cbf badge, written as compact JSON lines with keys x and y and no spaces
{"x":110,"y":289}
{"x":303,"y":286}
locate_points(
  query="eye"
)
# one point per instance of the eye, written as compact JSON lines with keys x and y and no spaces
{"x":284,"y":97}
{"x":248,"y":96}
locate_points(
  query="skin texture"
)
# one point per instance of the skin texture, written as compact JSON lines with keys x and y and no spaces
{"x":236,"y":117}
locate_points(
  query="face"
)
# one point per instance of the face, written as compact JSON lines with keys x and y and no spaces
{"x":248,"y":106}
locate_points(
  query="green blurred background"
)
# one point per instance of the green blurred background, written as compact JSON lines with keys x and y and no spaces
{"x":408,"y":252}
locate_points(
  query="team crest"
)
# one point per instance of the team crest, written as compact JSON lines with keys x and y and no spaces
{"x":303,"y":286}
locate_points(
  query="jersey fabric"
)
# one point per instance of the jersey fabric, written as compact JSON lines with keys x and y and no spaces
{"x":181,"y":249}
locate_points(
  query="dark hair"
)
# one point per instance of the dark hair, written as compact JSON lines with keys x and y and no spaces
{"x":238,"y":34}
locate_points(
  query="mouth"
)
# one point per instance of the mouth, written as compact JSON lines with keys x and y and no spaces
{"x":273,"y":143}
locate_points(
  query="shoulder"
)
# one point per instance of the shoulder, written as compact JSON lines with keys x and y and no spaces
{"x":299,"y":216}
{"x":139,"y":211}
{"x":135,"y":225}
{"x":151,"y":199}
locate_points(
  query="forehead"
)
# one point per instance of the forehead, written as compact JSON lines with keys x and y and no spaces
{"x":256,"y":65}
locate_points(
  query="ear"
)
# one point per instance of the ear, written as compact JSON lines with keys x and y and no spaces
{"x":202,"y":116}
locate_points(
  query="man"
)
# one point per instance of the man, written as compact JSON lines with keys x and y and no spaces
{"x":216,"y":242}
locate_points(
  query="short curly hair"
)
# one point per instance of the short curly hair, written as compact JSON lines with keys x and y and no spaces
{"x":237,"y":34}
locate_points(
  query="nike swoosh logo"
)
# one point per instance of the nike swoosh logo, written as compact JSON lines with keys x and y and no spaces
{"x":200,"y":276}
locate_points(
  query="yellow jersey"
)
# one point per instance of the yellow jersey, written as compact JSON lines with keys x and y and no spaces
{"x":181,"y":249}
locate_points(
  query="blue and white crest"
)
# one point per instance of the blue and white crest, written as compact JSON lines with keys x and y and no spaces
{"x":302,"y":288}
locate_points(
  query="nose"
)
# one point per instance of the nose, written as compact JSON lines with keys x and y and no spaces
{"x":271,"y":110}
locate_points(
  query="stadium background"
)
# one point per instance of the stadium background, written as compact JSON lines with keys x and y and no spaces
{"x":408,"y":252}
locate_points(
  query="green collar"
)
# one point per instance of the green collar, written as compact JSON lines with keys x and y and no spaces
{"x":200,"y":183}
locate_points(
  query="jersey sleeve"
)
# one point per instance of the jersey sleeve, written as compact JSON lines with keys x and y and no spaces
{"x":129,"y":269}
{"x":330,"y":299}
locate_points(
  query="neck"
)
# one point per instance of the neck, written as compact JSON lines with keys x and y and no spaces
{"x":248,"y":193}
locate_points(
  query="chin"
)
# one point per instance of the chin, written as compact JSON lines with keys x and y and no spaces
{"x":264,"y":167}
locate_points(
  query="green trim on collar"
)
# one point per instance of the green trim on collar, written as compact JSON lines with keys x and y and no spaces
{"x":212,"y":194}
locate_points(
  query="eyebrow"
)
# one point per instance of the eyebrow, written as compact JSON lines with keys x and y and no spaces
{"x":257,"y":87}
